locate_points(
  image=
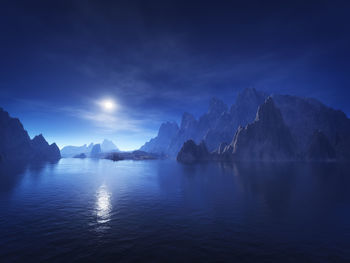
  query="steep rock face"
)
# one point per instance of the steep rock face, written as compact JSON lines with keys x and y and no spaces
{"x":16,"y":145}
{"x":242,"y":112}
{"x":210,"y":120}
{"x":43,"y":150}
{"x":160,"y":144}
{"x":305,"y":116}
{"x":191,"y":152}
{"x":14,"y":140}
{"x":214,"y":127}
{"x":188,"y":130}
{"x":96,"y":150}
{"x":266,"y":139}
{"x":320,"y":149}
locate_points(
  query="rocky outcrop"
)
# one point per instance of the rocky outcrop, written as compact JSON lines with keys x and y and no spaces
{"x":43,"y":150}
{"x":242,"y":112}
{"x":305,"y":116}
{"x":16,"y":145}
{"x":191,"y":152}
{"x":320,"y":149}
{"x":266,"y":139}
{"x":188,"y":130}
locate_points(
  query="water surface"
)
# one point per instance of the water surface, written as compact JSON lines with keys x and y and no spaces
{"x":81,"y":210}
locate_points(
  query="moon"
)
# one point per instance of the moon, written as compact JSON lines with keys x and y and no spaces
{"x":108,"y":105}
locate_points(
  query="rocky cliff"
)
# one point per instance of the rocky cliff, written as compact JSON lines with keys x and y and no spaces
{"x":266,"y":139}
{"x":161,"y":143}
{"x":16,"y":145}
{"x":190,"y":152}
{"x":302,"y":116}
{"x":217,"y":125}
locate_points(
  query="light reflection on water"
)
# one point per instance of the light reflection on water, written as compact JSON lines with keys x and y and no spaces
{"x":82,"y":210}
{"x":103,"y":204}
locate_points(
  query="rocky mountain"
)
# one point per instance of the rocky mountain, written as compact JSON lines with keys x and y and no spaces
{"x":16,"y":145}
{"x":265,"y":139}
{"x":305,"y":116}
{"x":106,"y":146}
{"x":71,"y":151}
{"x":320,"y":148}
{"x":242,"y":112}
{"x":161,"y":143}
{"x":290,"y":129}
{"x":190,"y":152}
{"x":43,"y":150}
{"x":217,"y":125}
{"x":302,"y":116}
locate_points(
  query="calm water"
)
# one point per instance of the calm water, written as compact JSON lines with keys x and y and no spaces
{"x":162,"y":211}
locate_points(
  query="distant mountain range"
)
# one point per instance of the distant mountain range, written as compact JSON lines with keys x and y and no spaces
{"x":258,"y":127}
{"x":91,"y":150}
{"x":16,"y":145}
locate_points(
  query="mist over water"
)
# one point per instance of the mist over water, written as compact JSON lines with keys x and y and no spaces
{"x":133,"y":211}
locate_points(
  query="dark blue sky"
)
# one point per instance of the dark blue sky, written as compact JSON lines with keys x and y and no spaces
{"x":156,"y":59}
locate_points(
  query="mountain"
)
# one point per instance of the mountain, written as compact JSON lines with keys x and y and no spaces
{"x":305,"y":116}
{"x":265,"y":139}
{"x":190,"y":152}
{"x":217,"y":125}
{"x":16,"y":145}
{"x":242,"y":112}
{"x":71,"y":151}
{"x":289,"y":128}
{"x":43,"y":150}
{"x":161,"y":143}
{"x":320,"y":148}
{"x":108,"y":146}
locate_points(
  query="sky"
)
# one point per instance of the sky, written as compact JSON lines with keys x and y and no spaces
{"x":60,"y":60}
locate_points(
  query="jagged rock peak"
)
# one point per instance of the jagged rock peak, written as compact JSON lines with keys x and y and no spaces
{"x":266,"y":139}
{"x":167,"y":126}
{"x":269,"y":113}
{"x":248,"y":94}
{"x":217,"y":106}
{"x":39,"y":139}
